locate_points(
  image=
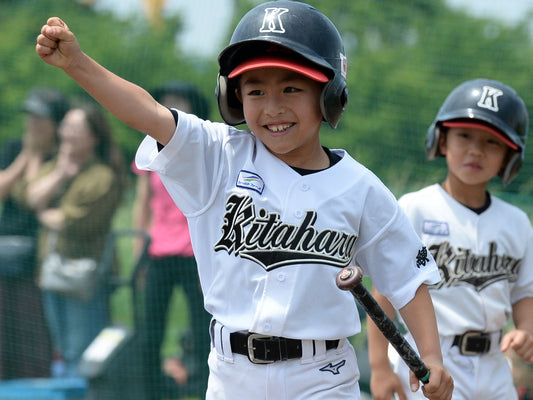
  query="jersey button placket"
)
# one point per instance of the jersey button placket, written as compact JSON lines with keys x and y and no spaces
{"x":304,"y":187}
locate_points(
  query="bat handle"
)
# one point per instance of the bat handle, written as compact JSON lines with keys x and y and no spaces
{"x":424,"y":379}
{"x":390,"y":331}
{"x":350,"y":278}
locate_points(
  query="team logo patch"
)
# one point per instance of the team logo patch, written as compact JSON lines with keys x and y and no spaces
{"x":262,"y":237}
{"x":249,"y":180}
{"x":333,"y":368}
{"x":422,"y":257}
{"x":272,"y":20}
{"x":436,"y":228}
{"x":462,"y":266}
{"x":489,"y":98}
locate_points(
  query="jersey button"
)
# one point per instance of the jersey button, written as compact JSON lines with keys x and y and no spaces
{"x":305,"y":187}
{"x":281,"y":277}
{"x":267,"y":327}
{"x":298,"y":214}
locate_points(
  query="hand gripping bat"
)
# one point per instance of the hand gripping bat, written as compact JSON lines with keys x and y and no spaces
{"x":350,"y":278}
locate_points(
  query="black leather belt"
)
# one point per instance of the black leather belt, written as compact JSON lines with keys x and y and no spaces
{"x":262,"y":349}
{"x":473,"y":343}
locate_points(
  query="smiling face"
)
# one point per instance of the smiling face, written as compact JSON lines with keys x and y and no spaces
{"x":282,"y":108}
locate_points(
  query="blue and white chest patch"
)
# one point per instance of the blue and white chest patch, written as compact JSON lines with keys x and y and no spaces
{"x":436,"y":228}
{"x":250,"y":180}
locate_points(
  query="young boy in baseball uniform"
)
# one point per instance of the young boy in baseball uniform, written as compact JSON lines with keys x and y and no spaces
{"x":483,"y":247}
{"x":273,"y":214}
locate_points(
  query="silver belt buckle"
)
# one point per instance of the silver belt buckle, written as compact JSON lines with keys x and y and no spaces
{"x":251,"y":348}
{"x":464,"y":342}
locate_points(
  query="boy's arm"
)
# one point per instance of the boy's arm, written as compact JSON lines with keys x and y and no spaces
{"x":58,"y":46}
{"x":383,"y":381}
{"x":419,"y":316}
{"x":521,"y":338}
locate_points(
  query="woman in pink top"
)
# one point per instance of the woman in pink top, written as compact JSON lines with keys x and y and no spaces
{"x":157,"y":213}
{"x":171,"y":264}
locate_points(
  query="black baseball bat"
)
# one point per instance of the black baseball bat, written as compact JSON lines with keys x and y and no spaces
{"x":351,"y":278}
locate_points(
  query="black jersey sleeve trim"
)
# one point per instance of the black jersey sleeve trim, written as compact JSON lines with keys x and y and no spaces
{"x":175,"y":115}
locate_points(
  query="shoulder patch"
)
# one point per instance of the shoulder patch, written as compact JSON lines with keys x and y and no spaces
{"x":436,"y":228}
{"x":250,"y":180}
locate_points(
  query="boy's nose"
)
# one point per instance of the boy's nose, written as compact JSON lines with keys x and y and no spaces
{"x":476,"y":147}
{"x":274,"y":106}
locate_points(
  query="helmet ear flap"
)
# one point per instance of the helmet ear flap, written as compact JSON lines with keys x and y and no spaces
{"x":333,"y":100}
{"x":229,"y":105}
{"x":510,"y":171}
{"x":432,"y":142}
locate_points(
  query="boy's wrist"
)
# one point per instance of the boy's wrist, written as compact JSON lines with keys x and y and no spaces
{"x":433,"y":360}
{"x":382,"y":364}
{"x":77,"y":65}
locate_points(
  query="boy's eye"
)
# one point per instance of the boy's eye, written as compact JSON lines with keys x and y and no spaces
{"x":255,"y":92}
{"x":495,"y":143}
{"x":291,"y":89}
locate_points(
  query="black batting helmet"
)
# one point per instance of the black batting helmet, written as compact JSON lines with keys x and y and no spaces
{"x":491,"y":104}
{"x":295,"y":31}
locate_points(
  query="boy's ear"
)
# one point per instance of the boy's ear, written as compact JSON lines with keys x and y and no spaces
{"x":238,"y":94}
{"x":442,"y":142}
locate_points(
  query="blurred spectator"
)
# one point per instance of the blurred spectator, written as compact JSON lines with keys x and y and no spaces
{"x":171,"y":264}
{"x":25,"y":350}
{"x":76,"y":196}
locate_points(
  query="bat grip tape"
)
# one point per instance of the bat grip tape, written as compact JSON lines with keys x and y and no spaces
{"x":425,"y":378}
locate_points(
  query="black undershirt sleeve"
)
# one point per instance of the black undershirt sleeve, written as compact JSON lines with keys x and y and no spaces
{"x":175,"y":115}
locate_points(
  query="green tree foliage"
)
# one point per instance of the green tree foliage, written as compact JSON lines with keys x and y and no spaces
{"x":403,"y":60}
{"x":130,"y":48}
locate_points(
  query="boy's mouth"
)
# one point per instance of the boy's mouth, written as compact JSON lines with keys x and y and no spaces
{"x":279,"y":127}
{"x":473,"y":166}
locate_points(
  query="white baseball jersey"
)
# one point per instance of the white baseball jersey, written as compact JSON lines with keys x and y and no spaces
{"x":270,"y":242}
{"x":485,"y":260}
